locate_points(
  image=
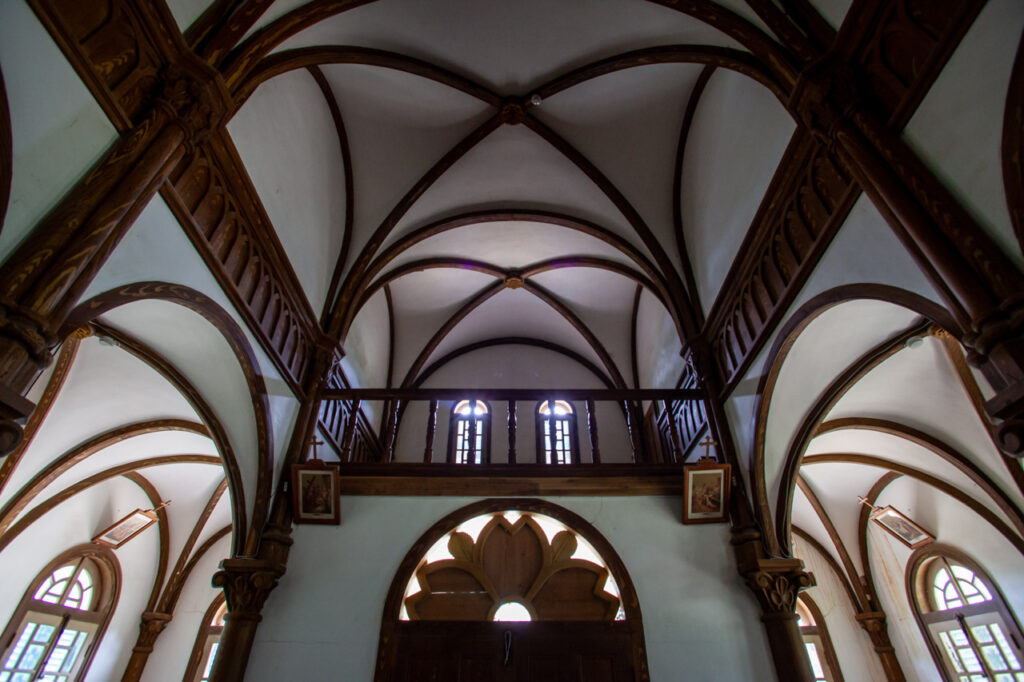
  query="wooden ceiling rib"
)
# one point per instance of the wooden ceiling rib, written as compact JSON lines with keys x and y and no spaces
{"x":346,"y":162}
{"x":163,"y":527}
{"x":1004,"y":529}
{"x":287,"y":60}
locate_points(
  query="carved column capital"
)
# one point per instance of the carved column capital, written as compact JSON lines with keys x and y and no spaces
{"x":247,"y":583}
{"x":150,"y":627}
{"x":874,"y":624}
{"x":776,"y":583}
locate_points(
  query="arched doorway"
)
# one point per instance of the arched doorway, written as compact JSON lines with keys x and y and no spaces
{"x":512,"y":590}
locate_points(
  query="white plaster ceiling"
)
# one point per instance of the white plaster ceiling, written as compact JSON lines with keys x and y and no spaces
{"x":617,"y":169}
{"x":510,"y":46}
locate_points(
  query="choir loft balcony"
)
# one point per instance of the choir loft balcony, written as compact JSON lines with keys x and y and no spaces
{"x":512,"y":441}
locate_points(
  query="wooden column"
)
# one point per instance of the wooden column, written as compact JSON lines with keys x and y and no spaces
{"x":673,"y":429}
{"x":776,"y":583}
{"x":592,"y":427}
{"x":44,"y":278}
{"x":631,"y":431}
{"x":874,"y":624}
{"x":247,"y":582}
{"x":349,"y":433}
{"x":428,"y":447}
{"x":153,"y":623}
{"x":511,"y":432}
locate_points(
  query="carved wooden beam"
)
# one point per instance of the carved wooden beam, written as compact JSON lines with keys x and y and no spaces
{"x":815,"y":186}
{"x":213,"y":198}
{"x":170,"y":107}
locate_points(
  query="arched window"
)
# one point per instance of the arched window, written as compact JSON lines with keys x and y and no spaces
{"x":60,"y":620}
{"x":469,"y":433}
{"x":200,"y":663}
{"x":824,"y":664}
{"x":511,"y":589}
{"x":972,"y":633}
{"x":557,"y":442}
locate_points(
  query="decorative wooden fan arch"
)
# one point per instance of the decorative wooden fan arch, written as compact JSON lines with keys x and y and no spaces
{"x":512,"y":562}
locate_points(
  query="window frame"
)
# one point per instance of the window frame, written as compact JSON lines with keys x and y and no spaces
{"x":207,"y":635}
{"x":483,"y":428}
{"x":818,"y":634}
{"x":574,"y":438}
{"x":106,"y":583}
{"x":921,"y":569}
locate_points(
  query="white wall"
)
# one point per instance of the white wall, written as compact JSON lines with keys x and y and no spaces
{"x":858,"y":661}
{"x":323,"y":620}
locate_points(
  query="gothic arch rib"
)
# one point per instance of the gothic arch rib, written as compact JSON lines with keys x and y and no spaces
{"x":199,"y":303}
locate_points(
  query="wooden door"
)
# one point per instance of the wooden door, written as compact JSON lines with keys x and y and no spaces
{"x":432,"y":651}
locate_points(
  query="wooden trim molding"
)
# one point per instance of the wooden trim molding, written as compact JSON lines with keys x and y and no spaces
{"x":820,"y":409}
{"x":213,"y":198}
{"x":164,"y":528}
{"x":64,"y":463}
{"x":784,"y":341}
{"x":416,"y":478}
{"x":605,"y":550}
{"x":32,"y":515}
{"x":1012,"y":151}
{"x":1012,"y":536}
{"x":235,"y":338}
{"x":65,"y":360}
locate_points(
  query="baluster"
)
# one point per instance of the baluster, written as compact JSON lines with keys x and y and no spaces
{"x":673,"y":429}
{"x":630,"y":431}
{"x":428,"y":449}
{"x":350,"y":429}
{"x":471,"y":441}
{"x":392,"y":432}
{"x":511,"y":432}
{"x":592,"y":424}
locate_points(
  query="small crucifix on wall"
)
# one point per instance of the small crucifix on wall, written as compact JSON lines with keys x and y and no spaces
{"x":316,"y":488}
{"x":706,"y":487}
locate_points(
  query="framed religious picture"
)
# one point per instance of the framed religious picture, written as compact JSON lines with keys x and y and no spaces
{"x":897,"y":523}
{"x":126,"y":528}
{"x":706,"y":491}
{"x":316,"y":496}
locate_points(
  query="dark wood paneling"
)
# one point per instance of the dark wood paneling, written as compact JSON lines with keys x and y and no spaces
{"x":416,"y":478}
{"x":212,"y":196}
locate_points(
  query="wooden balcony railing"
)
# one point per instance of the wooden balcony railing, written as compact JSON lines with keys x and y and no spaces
{"x":354,"y":445}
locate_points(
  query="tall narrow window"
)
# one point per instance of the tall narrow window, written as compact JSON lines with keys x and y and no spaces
{"x":60,"y":620}
{"x":973,"y":634}
{"x":819,"y":645}
{"x":556,"y":433}
{"x":469,"y":433}
{"x":200,"y":664}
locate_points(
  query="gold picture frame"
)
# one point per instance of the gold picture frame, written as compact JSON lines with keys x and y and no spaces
{"x":706,"y":492}
{"x":898,"y":524}
{"x":125,"y":528}
{"x":316,"y":496}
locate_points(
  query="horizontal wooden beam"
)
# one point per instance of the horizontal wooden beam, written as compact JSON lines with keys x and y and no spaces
{"x":420,"y":479}
{"x":571,"y":394}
